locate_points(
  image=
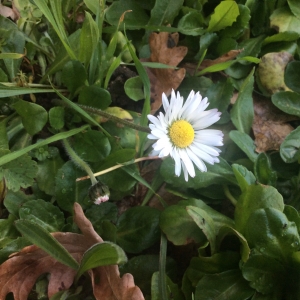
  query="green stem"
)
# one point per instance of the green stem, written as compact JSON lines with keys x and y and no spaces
{"x":229,"y":195}
{"x":79,"y":161}
{"x":113,"y":118}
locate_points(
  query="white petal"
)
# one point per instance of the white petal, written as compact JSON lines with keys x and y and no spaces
{"x":187,"y":162}
{"x":196,"y":160}
{"x":175,"y":155}
{"x":165,"y":102}
{"x":201,"y":154}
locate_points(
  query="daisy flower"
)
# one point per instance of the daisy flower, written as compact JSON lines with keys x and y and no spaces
{"x":181,"y":133}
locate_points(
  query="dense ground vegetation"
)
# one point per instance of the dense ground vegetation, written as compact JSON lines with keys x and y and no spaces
{"x":85,"y":212}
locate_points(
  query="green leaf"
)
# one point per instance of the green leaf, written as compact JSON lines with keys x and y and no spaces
{"x":44,"y":214}
{"x":205,"y":223}
{"x":244,"y":142}
{"x":44,"y":240}
{"x":92,"y":6}
{"x":164,"y":12}
{"x":95,"y":96}
{"x":294,"y":6}
{"x":289,"y":102}
{"x":252,"y":198}
{"x":243,"y":176}
{"x":34,"y":117}
{"x":284,"y":20}
{"x":219,"y":173}
{"x":134,"y":88}
{"x":135,"y":19}
{"x":272,"y":234}
{"x":89,"y":37}
{"x":229,"y":285}
{"x":290,"y":147}
{"x":224,"y":15}
{"x":263,"y":170}
{"x":137,"y":228}
{"x":73,"y":76}
{"x":8,"y":231}
{"x":101,"y":254}
{"x":292,"y":75}
{"x":56,"y":117}
{"x":19,"y":172}
{"x":242,"y":112}
{"x":287,"y":36}
{"x":179,"y":227}
{"x":67,"y":190}
{"x":263,"y":272}
{"x":91,"y":146}
{"x":191,"y":24}
{"x":63,"y":135}
{"x":47,"y":170}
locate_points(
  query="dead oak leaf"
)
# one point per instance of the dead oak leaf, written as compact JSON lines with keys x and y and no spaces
{"x":164,"y":50}
{"x":19,"y":273}
{"x":270,"y":125}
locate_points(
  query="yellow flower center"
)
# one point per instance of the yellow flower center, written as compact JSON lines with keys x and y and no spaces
{"x":181,"y":133}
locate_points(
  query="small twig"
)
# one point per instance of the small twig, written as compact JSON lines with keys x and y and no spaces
{"x":117,"y":167}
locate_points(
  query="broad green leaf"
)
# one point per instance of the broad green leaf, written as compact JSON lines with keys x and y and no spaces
{"x":287,"y":36}
{"x":263,"y":272}
{"x":290,"y":148}
{"x":219,"y":173}
{"x":289,"y":102}
{"x":44,"y":214}
{"x":191,"y":24}
{"x":19,"y":173}
{"x":227,"y":231}
{"x":294,"y":7}
{"x":243,"y":176}
{"x":89,"y":37}
{"x":73,"y":76}
{"x":292,"y":75}
{"x":137,"y":228}
{"x":242,"y":112}
{"x":8,"y":231}
{"x":92,"y":6}
{"x":134,"y":88}
{"x":67,"y":190}
{"x":284,"y":20}
{"x":44,"y":240}
{"x":263,"y":170}
{"x":101,"y":254}
{"x":63,"y":135}
{"x":251,"y":47}
{"x":217,"y":263}
{"x":205,"y":41}
{"x":229,"y":285}
{"x":224,"y":15}
{"x":272,"y":234}
{"x":244,"y":142}
{"x":56,"y":117}
{"x":34,"y":117}
{"x":94,"y":96}
{"x":134,"y":19}
{"x":91,"y":146}
{"x":179,"y":227}
{"x":164,"y":12}
{"x":205,"y":223}
{"x":252,"y":198}
{"x":47,"y":170}
{"x":217,"y":91}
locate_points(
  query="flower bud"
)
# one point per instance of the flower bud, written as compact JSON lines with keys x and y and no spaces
{"x":99,"y":193}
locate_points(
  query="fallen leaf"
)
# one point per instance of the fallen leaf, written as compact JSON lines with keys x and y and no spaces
{"x":8,"y":12}
{"x":164,"y":50}
{"x":270,"y":125}
{"x":19,"y":273}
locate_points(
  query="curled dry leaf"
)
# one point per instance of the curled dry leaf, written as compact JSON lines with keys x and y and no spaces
{"x":19,"y":273}
{"x":9,"y":12}
{"x":270,"y":125}
{"x":164,"y":50}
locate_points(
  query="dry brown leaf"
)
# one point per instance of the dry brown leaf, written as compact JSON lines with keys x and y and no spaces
{"x":164,"y":50}
{"x":270,"y":125}
{"x":8,"y":12}
{"x":19,"y":273}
